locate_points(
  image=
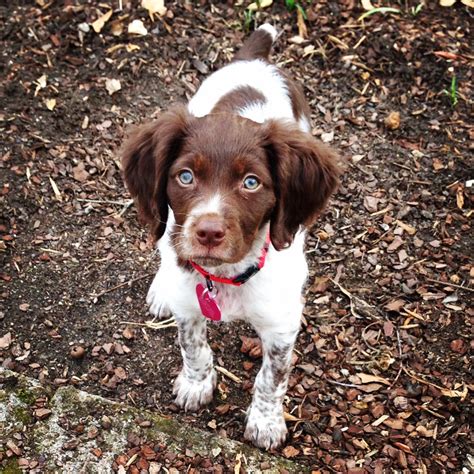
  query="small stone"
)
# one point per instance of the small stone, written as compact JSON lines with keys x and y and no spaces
{"x":401,"y":403}
{"x":42,"y":413}
{"x":392,"y":121}
{"x":77,"y":352}
{"x":106,"y":422}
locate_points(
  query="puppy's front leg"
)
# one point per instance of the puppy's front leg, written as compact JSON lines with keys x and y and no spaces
{"x":266,"y":426}
{"x":196,"y":382}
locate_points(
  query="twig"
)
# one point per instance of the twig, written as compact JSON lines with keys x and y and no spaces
{"x":116,"y":287}
{"x":350,"y":385}
{"x":106,"y":201}
{"x":400,"y":358}
{"x":166,"y":323}
{"x":358,"y":304}
{"x":228,"y":374}
{"x":451,"y":284}
{"x":331,"y":260}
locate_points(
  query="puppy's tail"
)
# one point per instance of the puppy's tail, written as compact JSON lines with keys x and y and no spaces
{"x":259,"y":44}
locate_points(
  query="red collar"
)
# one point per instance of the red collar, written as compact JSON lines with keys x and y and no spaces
{"x":238,"y":279}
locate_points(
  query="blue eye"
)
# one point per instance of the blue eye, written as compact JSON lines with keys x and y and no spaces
{"x":186,"y":177}
{"x":251,"y":183}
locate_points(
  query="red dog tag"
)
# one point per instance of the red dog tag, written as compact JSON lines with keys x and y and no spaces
{"x":209,"y":307}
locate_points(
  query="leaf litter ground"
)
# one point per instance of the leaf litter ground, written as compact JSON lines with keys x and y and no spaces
{"x":382,"y":366}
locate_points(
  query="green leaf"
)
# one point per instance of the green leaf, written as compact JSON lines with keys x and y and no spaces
{"x":378,"y":10}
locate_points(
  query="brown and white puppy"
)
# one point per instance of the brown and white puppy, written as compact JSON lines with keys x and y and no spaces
{"x":217,"y":179}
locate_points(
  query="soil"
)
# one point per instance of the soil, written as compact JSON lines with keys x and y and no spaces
{"x":382,"y":376}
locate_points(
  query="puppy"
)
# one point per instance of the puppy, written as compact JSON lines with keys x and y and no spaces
{"x":227,"y":184}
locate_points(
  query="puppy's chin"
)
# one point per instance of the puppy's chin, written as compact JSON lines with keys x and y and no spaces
{"x":209,"y":261}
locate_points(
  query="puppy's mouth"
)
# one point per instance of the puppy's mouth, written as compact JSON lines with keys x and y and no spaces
{"x":206,"y":261}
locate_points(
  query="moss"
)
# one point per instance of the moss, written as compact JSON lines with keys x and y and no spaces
{"x":11,"y":467}
{"x":26,"y":396}
{"x":22,"y":415}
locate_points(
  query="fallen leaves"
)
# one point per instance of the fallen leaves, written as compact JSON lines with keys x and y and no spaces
{"x":251,"y":346}
{"x":112,"y":86}
{"x":98,"y":24}
{"x":154,"y":7}
{"x":259,"y":5}
{"x":5,"y":341}
{"x":136,"y":27}
{"x":50,"y":104}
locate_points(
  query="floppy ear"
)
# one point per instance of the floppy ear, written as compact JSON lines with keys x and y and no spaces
{"x":147,"y":155}
{"x":305,"y":173}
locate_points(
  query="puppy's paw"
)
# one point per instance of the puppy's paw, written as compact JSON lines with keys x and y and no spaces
{"x":155,"y":300}
{"x":193,"y":394}
{"x":265,"y":430}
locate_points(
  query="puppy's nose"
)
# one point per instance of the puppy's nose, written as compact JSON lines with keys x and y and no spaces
{"x":210,"y":232}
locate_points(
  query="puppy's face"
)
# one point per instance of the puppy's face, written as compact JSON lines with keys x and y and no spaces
{"x":225,"y":177}
{"x":220,"y":189}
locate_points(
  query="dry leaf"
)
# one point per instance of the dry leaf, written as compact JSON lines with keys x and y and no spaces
{"x":136,"y":27}
{"x":327,"y":137}
{"x":437,"y":164}
{"x":56,"y":191}
{"x":50,"y":104}
{"x":455,"y":393}
{"x":154,"y":6}
{"x":290,"y":452}
{"x":367,"y":5}
{"x":380,"y":420}
{"x":98,"y":24}
{"x":460,"y":197}
{"x":368,"y":378}
{"x":289,"y":417}
{"x":5,"y":340}
{"x":80,"y":174}
{"x":394,"y":305}
{"x":112,"y":85}
{"x":40,"y":83}
{"x":132,"y":47}
{"x":259,"y":5}
{"x":302,"y":30}
{"x":238,"y":463}
{"x":407,"y":228}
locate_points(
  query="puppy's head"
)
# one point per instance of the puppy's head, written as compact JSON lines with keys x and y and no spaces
{"x":225,"y":177}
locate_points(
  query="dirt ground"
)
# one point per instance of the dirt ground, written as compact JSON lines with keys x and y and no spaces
{"x":382,"y":377}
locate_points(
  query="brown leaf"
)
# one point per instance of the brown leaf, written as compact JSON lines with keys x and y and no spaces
{"x":79,"y":173}
{"x":42,"y":413}
{"x":320,"y":285}
{"x":290,"y":452}
{"x":369,"y":378}
{"x":251,"y":346}
{"x":396,"y":243}
{"x":437,"y":164}
{"x":388,"y":328}
{"x":395,"y":305}
{"x":128,"y":333}
{"x":5,"y":341}
{"x":98,"y":24}
{"x":459,"y":346}
{"x":371,"y":203}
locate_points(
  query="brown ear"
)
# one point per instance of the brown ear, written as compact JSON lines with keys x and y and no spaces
{"x":305,"y":172}
{"x":147,"y":155}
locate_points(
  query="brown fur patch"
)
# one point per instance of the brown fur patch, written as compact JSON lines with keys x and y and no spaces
{"x":257,"y":46}
{"x":239,"y":98}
